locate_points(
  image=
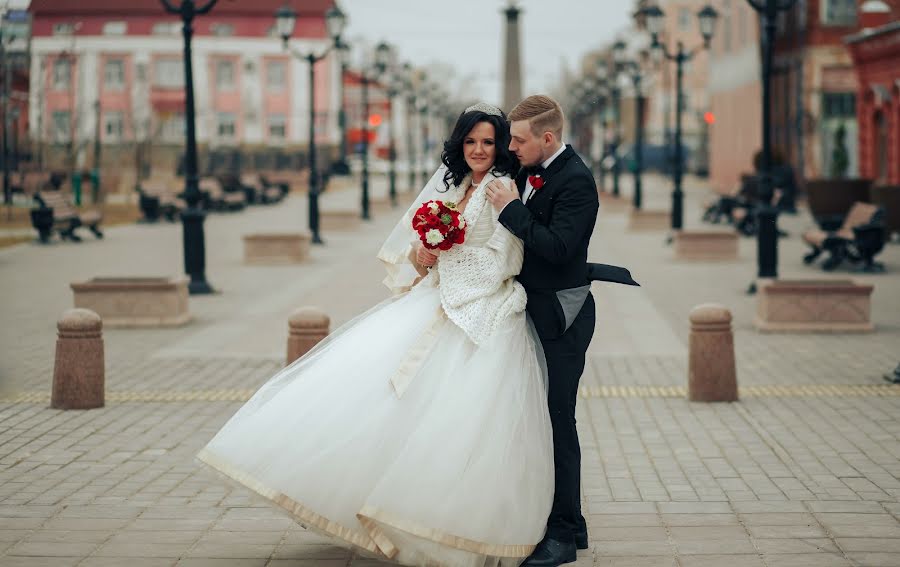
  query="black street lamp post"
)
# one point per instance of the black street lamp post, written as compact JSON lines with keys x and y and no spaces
{"x":766,"y":213}
{"x":365,"y":145}
{"x":615,"y":92}
{"x":341,"y":167}
{"x":385,"y":63}
{"x":633,"y":69}
{"x":192,"y":217}
{"x":423,"y":120}
{"x":7,"y":123}
{"x":407,"y":80}
{"x":654,"y":17}
{"x":335,"y":20}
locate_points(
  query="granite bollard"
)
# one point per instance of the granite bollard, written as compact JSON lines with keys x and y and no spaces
{"x":307,"y":327}
{"x":79,"y":371}
{"x":712,"y":376}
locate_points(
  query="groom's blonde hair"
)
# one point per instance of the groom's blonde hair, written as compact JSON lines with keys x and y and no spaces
{"x":543,"y":113}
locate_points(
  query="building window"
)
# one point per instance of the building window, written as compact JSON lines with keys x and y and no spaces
{"x":66,"y":28}
{"x":684,"y":19}
{"x":226,"y":125}
{"x":169,"y":73}
{"x":276,"y":74}
{"x":277,"y":127}
{"x":166,"y":28}
{"x":113,"y":125}
{"x":62,"y":74}
{"x":839,"y":12}
{"x":115,"y":28}
{"x":222,"y":30}
{"x":224,"y":75}
{"x":838,"y":105}
{"x":62,"y":123}
{"x":114,"y":74}
{"x":172,"y":127}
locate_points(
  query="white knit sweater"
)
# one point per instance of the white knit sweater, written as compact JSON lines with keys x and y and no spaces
{"x":477,"y":279}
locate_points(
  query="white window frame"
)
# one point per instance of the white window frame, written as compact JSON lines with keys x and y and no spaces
{"x":276,"y":120}
{"x":62,"y":81}
{"x":113,"y":125}
{"x":115,"y":28}
{"x":838,"y":19}
{"x":118,"y":83}
{"x":220,"y":75}
{"x":276,"y":86}
{"x":168,"y":73}
{"x":172,"y":129}
{"x":223,"y":123}
{"x":61,"y":123}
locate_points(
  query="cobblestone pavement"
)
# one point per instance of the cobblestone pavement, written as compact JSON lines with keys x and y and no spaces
{"x":802,"y":472}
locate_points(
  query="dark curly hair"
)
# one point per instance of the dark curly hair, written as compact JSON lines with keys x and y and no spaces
{"x":505,"y":162}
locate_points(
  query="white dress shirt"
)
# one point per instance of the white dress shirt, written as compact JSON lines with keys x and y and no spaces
{"x":546,"y":163}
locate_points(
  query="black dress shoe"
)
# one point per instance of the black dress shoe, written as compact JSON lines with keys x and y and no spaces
{"x":551,"y":553}
{"x":581,"y":540}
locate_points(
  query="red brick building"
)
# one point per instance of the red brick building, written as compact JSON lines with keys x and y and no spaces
{"x":876,"y":55}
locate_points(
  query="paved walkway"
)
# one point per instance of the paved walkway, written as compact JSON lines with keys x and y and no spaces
{"x":803,"y":471}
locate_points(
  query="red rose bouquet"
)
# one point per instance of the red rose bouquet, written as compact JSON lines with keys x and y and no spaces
{"x":439,"y":225}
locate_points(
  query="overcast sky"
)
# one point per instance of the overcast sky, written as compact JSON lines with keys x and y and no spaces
{"x":468,"y":34}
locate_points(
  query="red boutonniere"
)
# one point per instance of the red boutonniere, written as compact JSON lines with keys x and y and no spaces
{"x":536,"y":181}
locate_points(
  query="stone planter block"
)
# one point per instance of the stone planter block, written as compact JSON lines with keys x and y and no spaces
{"x":814,"y":306}
{"x":79,"y":370}
{"x":706,"y":245}
{"x":712,"y":375}
{"x":307,"y":327}
{"x":135,"y":302}
{"x":286,"y":248}
{"x":340,"y":220}
{"x":641,"y":220}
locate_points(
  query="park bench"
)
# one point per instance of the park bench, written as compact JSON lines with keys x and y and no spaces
{"x":739,"y":208}
{"x":830,"y":200}
{"x":65,"y":217}
{"x":888,"y":198}
{"x":859,"y":239}
{"x":218,"y":198}
{"x":265,"y":192}
{"x":159,"y":196}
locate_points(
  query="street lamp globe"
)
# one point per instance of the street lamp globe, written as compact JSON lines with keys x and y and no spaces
{"x":335,"y":22}
{"x":655,"y":19}
{"x":384,"y":57}
{"x":601,"y":71}
{"x":619,"y":55}
{"x":707,"y":17}
{"x":285,"y":21}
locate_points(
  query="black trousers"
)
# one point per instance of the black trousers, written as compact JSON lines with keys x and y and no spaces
{"x":565,"y":364}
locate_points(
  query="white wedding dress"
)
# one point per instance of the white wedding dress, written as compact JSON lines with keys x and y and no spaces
{"x":419,"y":431}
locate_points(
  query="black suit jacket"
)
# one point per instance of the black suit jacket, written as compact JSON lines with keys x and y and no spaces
{"x":556,"y":226}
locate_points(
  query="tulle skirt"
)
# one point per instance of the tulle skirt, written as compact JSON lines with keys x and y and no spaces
{"x":401,"y":438}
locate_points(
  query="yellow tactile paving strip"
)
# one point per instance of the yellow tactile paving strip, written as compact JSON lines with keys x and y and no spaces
{"x":771,"y":391}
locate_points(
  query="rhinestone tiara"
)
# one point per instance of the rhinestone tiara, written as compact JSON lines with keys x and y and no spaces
{"x":486,"y":108}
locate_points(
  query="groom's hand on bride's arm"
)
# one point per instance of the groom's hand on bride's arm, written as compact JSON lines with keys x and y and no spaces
{"x":501,"y":193}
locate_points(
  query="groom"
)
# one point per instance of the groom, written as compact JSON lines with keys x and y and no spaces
{"x":552,"y":208}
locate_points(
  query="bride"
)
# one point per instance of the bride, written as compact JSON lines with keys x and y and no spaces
{"x":419,"y":431}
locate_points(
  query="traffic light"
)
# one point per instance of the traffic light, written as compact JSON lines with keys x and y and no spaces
{"x":709,"y":117}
